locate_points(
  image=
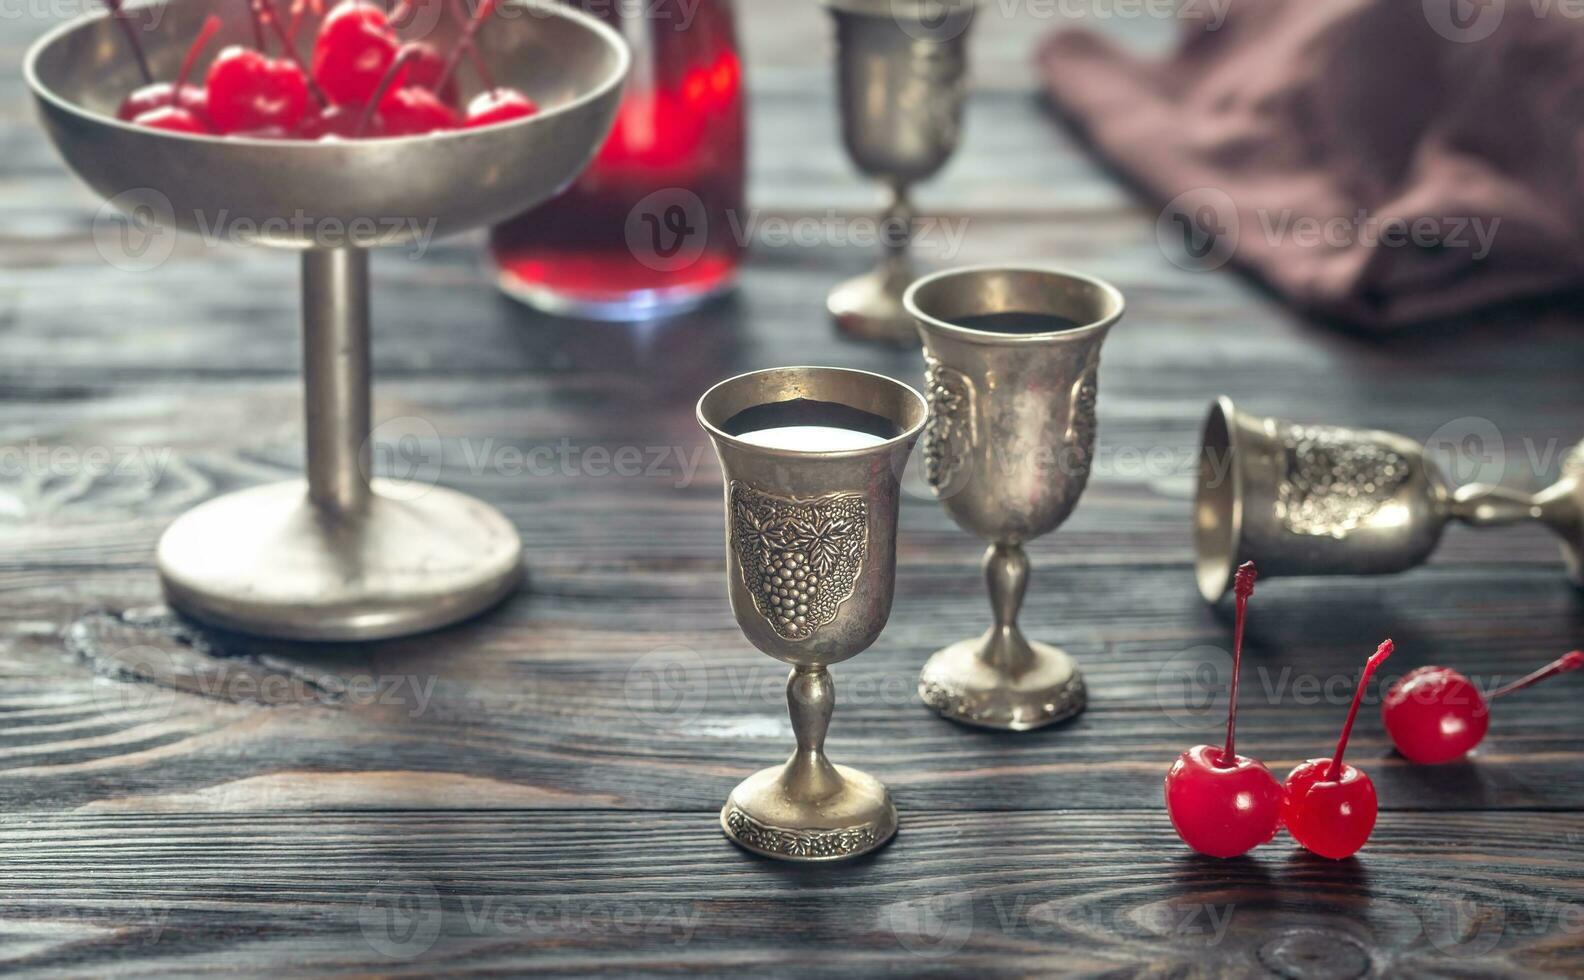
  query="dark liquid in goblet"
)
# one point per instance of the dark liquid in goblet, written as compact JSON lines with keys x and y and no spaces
{"x":1017,"y":322}
{"x":806,"y":425}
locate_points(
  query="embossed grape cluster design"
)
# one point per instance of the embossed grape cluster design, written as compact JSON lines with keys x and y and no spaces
{"x":800,"y":560}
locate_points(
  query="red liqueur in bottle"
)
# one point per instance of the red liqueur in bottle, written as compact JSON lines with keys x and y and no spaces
{"x":651,"y":227}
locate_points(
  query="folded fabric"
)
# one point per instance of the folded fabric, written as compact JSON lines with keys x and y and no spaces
{"x":1383,"y":162}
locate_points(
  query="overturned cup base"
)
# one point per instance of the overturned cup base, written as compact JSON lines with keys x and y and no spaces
{"x":762,"y":817}
{"x":964,"y":684}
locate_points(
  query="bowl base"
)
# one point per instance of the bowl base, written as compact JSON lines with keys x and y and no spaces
{"x":964,"y":684}
{"x":268,"y":562}
{"x":763,"y":817}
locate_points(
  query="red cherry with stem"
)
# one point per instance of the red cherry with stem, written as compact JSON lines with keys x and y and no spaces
{"x":498,"y":105}
{"x":1329,"y":807}
{"x":354,"y":49}
{"x":410,"y":111}
{"x":1436,"y":715}
{"x":425,"y":71}
{"x":268,"y":15}
{"x":1221,"y":803}
{"x":249,"y":90}
{"x":193,"y":98}
{"x":404,"y":111}
{"x":331,"y":120}
{"x":172,"y":119}
{"x":118,"y":15}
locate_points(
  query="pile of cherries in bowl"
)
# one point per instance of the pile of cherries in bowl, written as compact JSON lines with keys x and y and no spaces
{"x":360,"y":81}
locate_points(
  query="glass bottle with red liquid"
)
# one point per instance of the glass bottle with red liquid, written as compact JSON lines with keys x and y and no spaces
{"x":651,"y":227}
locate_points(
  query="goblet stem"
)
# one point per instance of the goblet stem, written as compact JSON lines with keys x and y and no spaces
{"x":1006,"y":568}
{"x":898,"y":216}
{"x":811,"y":697}
{"x":335,"y":305}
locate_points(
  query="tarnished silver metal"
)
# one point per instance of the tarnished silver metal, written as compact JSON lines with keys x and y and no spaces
{"x":902,"y":69}
{"x":1302,"y":499}
{"x":1008,"y":450}
{"x":811,"y":566}
{"x":334,"y":557}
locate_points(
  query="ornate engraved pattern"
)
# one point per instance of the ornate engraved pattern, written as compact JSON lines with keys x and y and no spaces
{"x":1081,"y":430}
{"x":954,"y":704}
{"x":799,"y":559}
{"x":948,"y":434}
{"x":800,"y":843}
{"x":1335,"y":481}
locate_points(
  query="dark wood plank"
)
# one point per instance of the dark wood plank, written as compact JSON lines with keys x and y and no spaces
{"x":986,"y":894}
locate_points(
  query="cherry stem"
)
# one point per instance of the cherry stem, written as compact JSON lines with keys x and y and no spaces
{"x":1243,"y":587}
{"x":482,"y":11}
{"x":295,"y":12}
{"x":406,"y":53}
{"x":258,"y":26}
{"x":211,"y":24}
{"x":484,"y":74}
{"x":119,"y":16}
{"x":1334,"y":772}
{"x":398,"y":13}
{"x":1561,"y":665}
{"x":267,"y":12}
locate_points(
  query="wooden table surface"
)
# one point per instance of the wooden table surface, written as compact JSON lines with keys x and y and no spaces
{"x":537,"y":790}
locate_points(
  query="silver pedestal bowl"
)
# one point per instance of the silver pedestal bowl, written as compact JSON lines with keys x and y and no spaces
{"x":337,"y":556}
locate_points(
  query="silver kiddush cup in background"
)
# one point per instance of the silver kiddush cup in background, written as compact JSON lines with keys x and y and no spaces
{"x":811,"y":567}
{"x":902,"y":82}
{"x":1012,"y":358}
{"x":1303,"y":499}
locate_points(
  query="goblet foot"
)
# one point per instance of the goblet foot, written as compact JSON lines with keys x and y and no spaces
{"x":267,"y":561}
{"x":869,"y":307}
{"x":966,"y":682}
{"x":853,"y":817}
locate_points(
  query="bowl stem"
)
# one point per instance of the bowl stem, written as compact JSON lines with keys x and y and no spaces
{"x":336,"y":376}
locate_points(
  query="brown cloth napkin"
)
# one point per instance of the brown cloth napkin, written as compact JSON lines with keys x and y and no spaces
{"x":1382,"y":162}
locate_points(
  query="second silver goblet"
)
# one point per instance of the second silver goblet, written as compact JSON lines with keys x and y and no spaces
{"x":901,"y":67}
{"x":1012,"y":358}
{"x":812,"y":459}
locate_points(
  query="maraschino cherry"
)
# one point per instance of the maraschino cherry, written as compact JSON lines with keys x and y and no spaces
{"x":1328,"y":806}
{"x":1221,"y":803}
{"x":354,"y":49}
{"x":1436,"y":715}
{"x":404,"y":110}
{"x":497,"y":103}
{"x":159,"y":95}
{"x":250,"y":91}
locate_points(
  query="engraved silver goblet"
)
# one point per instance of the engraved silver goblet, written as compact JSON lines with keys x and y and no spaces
{"x":1303,"y":499}
{"x":901,"y":67}
{"x":811,"y":566}
{"x":1012,"y":358}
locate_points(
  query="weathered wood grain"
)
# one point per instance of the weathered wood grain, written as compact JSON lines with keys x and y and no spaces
{"x":179,"y":800}
{"x":986,"y":894}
